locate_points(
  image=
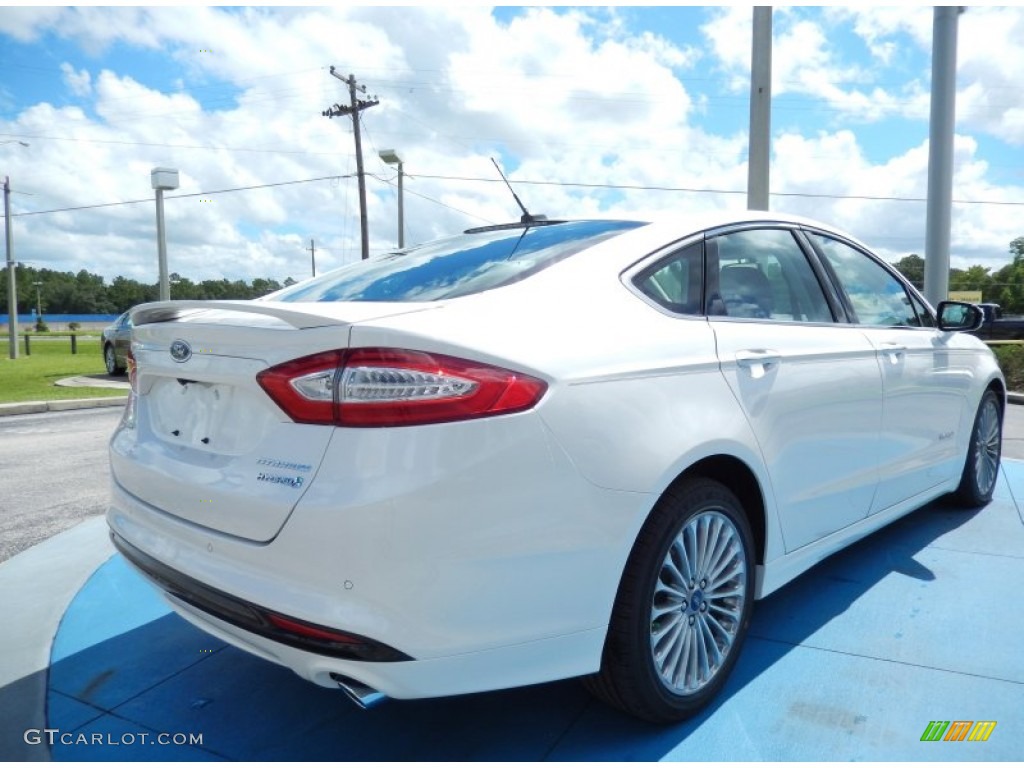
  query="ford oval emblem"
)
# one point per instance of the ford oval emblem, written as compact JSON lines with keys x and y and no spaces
{"x":180,"y":351}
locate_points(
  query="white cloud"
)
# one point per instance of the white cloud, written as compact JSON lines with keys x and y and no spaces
{"x":561,"y":97}
{"x":78,"y":82}
{"x":989,"y":60}
{"x":25,"y":23}
{"x":806,"y":63}
{"x":896,"y":227}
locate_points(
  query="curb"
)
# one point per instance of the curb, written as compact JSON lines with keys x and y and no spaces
{"x":43,"y":406}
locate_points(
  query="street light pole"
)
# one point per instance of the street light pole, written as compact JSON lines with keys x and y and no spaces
{"x":12,"y":281}
{"x":12,"y":277}
{"x":391,"y":157}
{"x":161,"y":179}
{"x":39,"y":301}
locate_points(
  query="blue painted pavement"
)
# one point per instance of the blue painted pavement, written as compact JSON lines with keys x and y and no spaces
{"x":919,"y":622}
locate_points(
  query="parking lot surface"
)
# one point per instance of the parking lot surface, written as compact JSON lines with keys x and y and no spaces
{"x":852,"y":661}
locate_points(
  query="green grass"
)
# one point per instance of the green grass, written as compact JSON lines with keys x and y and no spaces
{"x":33,"y":377}
{"x":1011,"y":360}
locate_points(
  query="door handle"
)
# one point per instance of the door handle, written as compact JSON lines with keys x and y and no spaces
{"x":758,"y":361}
{"x":893,"y":350}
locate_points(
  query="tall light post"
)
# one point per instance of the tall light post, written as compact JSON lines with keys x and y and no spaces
{"x":161,"y":179}
{"x":39,"y":301}
{"x":12,"y":280}
{"x":391,"y":157}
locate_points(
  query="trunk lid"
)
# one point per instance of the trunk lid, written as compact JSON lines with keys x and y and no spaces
{"x":209,"y":445}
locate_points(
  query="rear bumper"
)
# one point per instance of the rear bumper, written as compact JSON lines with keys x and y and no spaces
{"x":252,"y":618}
{"x":471,"y":582}
{"x":512,"y":666}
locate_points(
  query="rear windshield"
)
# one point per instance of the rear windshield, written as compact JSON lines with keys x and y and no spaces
{"x":455,"y":266}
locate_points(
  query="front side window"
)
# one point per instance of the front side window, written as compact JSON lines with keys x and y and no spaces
{"x":924,"y":317}
{"x":763,"y":273}
{"x":455,"y":266}
{"x":876,"y":296}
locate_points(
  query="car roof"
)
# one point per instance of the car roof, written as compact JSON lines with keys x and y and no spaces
{"x":708,"y":220}
{"x":664,"y":230}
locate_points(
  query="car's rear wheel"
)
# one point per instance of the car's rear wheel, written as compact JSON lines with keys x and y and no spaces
{"x":981,"y":470}
{"x":683,"y":606}
{"x":110,"y":359}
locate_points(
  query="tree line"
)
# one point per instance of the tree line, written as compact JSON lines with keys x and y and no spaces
{"x":85,"y":293}
{"x":1004,"y":287}
{"x":67,"y":293}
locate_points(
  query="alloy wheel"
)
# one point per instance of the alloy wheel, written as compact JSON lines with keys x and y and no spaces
{"x":698,"y":601}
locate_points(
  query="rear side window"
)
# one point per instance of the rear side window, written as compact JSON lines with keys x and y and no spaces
{"x":455,"y":266}
{"x":675,"y":283}
{"x":763,"y":273}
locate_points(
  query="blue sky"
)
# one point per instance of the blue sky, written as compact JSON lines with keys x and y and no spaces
{"x":592,"y":111}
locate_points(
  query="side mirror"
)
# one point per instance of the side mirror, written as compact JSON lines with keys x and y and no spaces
{"x":959,"y":316}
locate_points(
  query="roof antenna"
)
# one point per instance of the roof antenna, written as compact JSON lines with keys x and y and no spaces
{"x":527,"y":217}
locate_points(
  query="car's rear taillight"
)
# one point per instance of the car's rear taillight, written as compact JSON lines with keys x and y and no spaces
{"x":378,"y":387}
{"x":128,"y":417}
{"x":133,"y":377}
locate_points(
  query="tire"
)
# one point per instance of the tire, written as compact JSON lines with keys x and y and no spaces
{"x":110,"y":359}
{"x":981,"y":470}
{"x":664,"y":615}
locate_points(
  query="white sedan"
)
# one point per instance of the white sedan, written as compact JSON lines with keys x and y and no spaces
{"x":540,"y":451}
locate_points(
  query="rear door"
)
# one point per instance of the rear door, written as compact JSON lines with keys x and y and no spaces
{"x":810,"y":386}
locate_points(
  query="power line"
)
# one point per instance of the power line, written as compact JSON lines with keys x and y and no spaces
{"x":655,"y":188}
{"x":189,"y":194}
{"x":408,"y":191}
{"x":582,"y":185}
{"x":171,"y":146}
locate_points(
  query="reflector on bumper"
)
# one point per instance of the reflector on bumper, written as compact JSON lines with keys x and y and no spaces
{"x":286,"y":630}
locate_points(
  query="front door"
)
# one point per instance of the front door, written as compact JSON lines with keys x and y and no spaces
{"x":925,"y":391}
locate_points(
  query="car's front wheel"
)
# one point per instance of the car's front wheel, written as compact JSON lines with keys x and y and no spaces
{"x":981,"y":470}
{"x":110,"y":359}
{"x":683,"y":606}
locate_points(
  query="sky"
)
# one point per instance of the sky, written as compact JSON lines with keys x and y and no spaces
{"x":591,"y":112}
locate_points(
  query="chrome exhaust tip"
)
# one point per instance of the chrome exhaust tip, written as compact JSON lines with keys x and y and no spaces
{"x":364,"y":696}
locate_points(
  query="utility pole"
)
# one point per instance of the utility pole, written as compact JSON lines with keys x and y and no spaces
{"x":312,"y":255}
{"x":357,"y":106}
